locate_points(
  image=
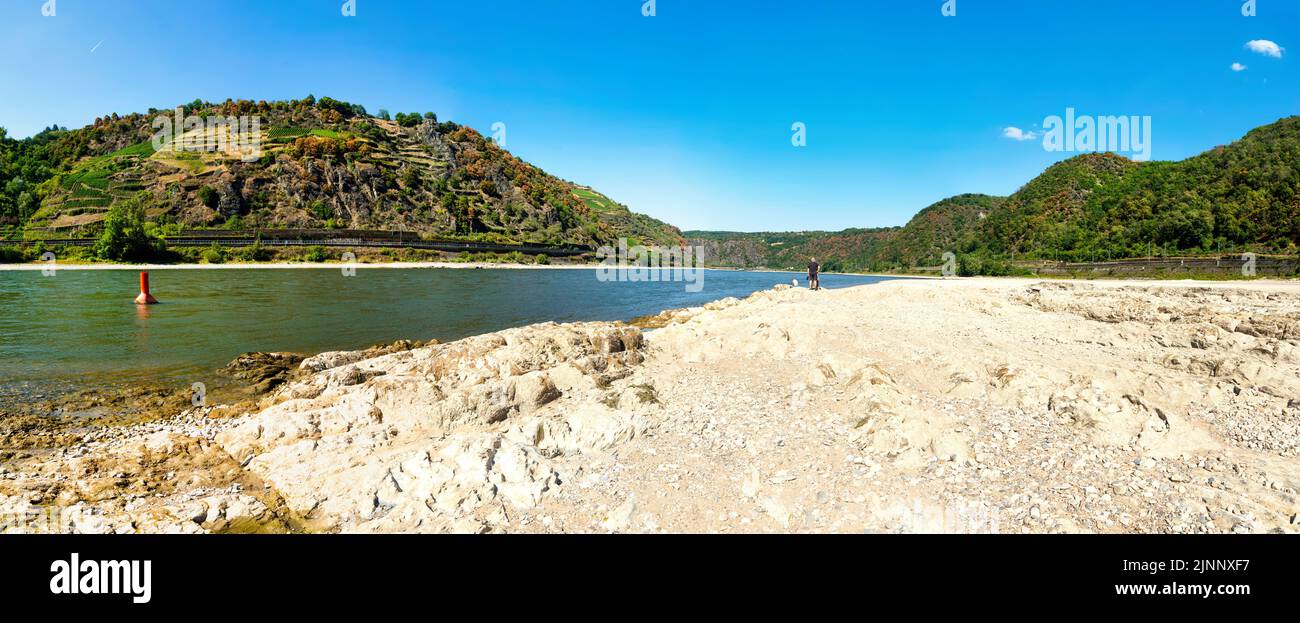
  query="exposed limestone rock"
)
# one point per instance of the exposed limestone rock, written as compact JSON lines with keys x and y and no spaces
{"x":263,"y":371}
{"x":421,"y":435}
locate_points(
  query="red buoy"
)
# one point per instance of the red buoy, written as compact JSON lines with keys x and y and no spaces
{"x":145,"y":298}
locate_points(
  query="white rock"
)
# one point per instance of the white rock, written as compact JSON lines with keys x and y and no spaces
{"x":619,"y":517}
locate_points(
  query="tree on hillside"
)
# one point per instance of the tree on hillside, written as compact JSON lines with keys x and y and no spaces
{"x":208,"y":196}
{"x":28,"y":204}
{"x":408,"y":120}
{"x":126,"y":235}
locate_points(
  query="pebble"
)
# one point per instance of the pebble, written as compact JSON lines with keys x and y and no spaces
{"x":781,"y":477}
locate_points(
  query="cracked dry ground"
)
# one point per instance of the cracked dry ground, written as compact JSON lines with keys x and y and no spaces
{"x":908,"y":406}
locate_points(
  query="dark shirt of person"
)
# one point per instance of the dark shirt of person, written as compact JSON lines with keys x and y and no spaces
{"x":813,"y":268}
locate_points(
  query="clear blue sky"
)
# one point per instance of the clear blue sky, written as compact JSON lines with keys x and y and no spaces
{"x":686,"y":115}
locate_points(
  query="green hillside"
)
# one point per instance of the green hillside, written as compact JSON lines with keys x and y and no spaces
{"x":637,"y":228}
{"x":1239,"y":197}
{"x":324,"y":164}
{"x":937,"y":229}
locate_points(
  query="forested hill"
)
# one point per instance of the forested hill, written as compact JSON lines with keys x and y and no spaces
{"x":324,"y":164}
{"x":848,"y":250}
{"x":1239,"y":197}
{"x":922,"y":241}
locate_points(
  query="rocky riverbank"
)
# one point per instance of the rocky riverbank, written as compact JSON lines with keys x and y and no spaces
{"x":956,"y":406}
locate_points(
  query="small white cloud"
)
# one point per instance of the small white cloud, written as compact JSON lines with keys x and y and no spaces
{"x":1265,"y":47}
{"x":1016,"y":134}
{"x":1239,"y":67}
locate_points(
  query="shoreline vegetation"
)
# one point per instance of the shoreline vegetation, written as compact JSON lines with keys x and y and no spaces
{"x":336,"y":265}
{"x":953,"y":416}
{"x":130,"y":241}
{"x":1141,"y":269}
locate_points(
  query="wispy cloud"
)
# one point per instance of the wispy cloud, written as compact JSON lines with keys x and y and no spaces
{"x":1265,"y":47}
{"x":1239,"y":67}
{"x":1016,"y":134}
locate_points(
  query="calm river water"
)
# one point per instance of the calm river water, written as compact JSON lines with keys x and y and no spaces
{"x":79,"y":329}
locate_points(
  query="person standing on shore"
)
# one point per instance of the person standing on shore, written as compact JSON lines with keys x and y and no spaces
{"x":813,"y":271}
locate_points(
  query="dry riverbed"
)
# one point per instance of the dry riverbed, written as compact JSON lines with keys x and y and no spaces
{"x":908,"y":406}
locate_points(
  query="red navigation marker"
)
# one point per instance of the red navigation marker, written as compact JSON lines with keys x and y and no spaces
{"x":145,"y":298}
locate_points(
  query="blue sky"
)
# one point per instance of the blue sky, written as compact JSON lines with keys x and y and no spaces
{"x":687,"y":115}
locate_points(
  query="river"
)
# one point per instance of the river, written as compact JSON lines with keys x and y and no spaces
{"x":78,"y":329}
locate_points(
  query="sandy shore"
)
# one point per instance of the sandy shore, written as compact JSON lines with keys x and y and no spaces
{"x":909,"y":406}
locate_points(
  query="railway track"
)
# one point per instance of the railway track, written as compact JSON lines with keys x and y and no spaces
{"x":453,"y":246}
